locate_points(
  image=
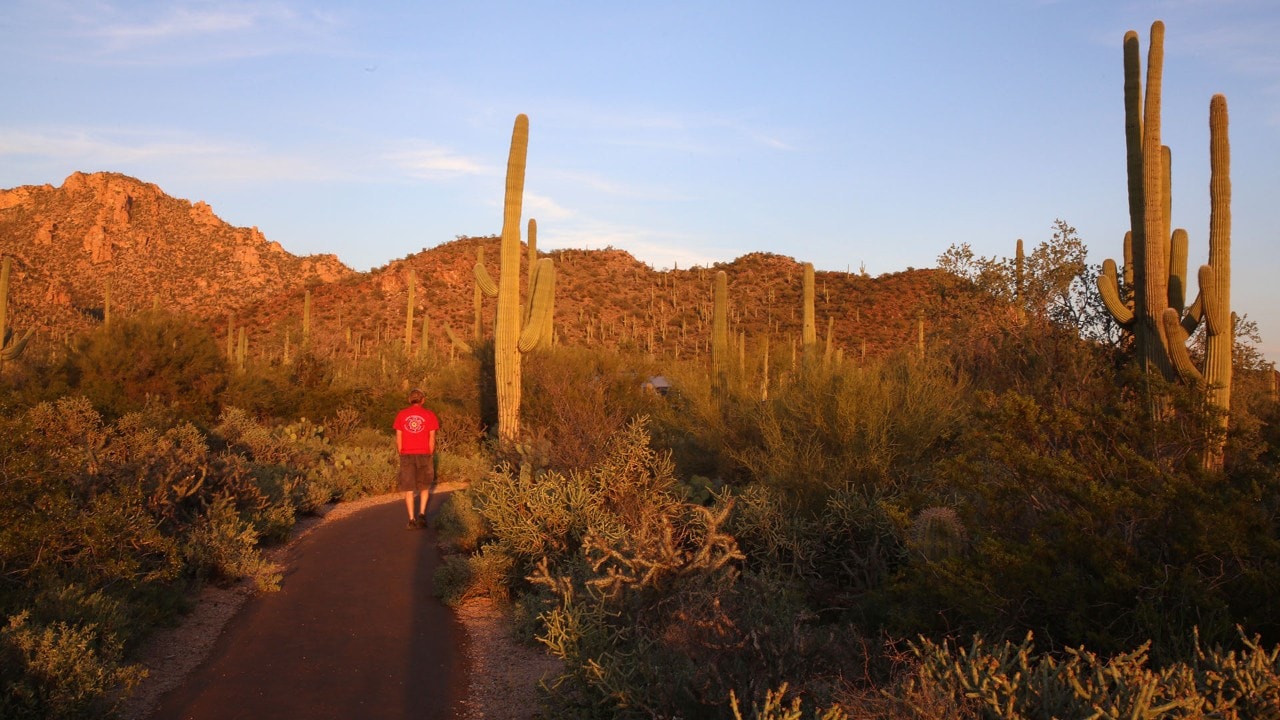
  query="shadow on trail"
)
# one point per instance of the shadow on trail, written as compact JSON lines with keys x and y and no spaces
{"x":354,"y":632}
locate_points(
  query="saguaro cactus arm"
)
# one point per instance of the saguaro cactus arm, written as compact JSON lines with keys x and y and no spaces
{"x":1109,"y":289}
{"x":484,"y":281}
{"x":457,"y":341}
{"x":537,"y":322}
{"x":10,"y":348}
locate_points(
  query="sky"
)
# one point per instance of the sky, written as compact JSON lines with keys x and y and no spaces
{"x":862,"y":136}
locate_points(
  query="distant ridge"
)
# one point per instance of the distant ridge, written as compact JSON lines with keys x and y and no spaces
{"x":103,"y":231}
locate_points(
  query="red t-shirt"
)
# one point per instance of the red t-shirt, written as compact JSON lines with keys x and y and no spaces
{"x":416,"y":424}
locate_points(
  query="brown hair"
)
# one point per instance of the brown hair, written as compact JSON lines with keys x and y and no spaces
{"x":416,"y":396}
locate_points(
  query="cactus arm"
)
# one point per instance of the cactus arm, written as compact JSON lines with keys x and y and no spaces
{"x":1194,"y":314}
{"x":542,"y":289}
{"x":531,"y":241}
{"x":1128,"y":262}
{"x":1178,"y":347}
{"x":1109,"y":288}
{"x":10,"y":349}
{"x":1213,"y":321}
{"x":1178,"y":270}
{"x":13,"y":348}
{"x":484,"y":281}
{"x":457,"y":341}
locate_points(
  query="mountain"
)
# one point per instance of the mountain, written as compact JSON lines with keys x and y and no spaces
{"x":106,"y":232}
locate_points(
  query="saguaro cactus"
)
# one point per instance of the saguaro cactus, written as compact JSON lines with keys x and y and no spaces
{"x":809,"y":329}
{"x":477,"y":300}
{"x":514,"y":334}
{"x":1155,"y":253}
{"x":412,"y":281}
{"x":1155,"y":312}
{"x":1214,"y":305}
{"x":720,"y":325}
{"x":306,"y":319}
{"x":10,"y":348}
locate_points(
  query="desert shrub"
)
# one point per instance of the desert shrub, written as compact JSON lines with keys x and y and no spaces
{"x":1092,"y":527}
{"x":859,"y":425}
{"x":486,"y":573}
{"x":774,"y":707}
{"x":1007,"y":680}
{"x":842,"y":555}
{"x":61,"y":670}
{"x":576,"y":399}
{"x":152,"y":357}
{"x":105,"y":526}
{"x":223,"y":546}
{"x":459,"y":524}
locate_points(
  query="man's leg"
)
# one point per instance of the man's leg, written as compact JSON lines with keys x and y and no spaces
{"x":408,"y":503}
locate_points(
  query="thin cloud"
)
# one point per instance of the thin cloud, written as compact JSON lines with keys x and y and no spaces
{"x":544,"y":208}
{"x":186,"y":32}
{"x":656,"y":249}
{"x":158,"y":152}
{"x":433,"y":163}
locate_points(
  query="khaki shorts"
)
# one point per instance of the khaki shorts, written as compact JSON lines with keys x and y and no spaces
{"x":417,"y":472}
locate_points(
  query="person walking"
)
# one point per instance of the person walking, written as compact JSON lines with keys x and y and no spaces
{"x":416,"y":428}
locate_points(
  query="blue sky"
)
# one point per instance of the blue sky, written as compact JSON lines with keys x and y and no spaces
{"x":849,"y":134}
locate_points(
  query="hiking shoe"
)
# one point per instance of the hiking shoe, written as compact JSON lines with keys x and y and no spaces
{"x":421,"y":521}
{"x":413,"y":525}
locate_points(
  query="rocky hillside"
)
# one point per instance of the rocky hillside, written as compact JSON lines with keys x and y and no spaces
{"x":107,"y":234}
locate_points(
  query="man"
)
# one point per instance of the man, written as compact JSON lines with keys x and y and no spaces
{"x":416,"y":429}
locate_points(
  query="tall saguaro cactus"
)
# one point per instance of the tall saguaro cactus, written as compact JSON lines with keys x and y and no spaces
{"x":720,"y":325}
{"x":1155,"y":312}
{"x":809,"y":329}
{"x":412,"y":282}
{"x":1215,"y":286}
{"x":516,"y":332}
{"x":11,"y":348}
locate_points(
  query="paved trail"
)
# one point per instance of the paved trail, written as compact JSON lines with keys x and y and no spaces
{"x":354,"y":632}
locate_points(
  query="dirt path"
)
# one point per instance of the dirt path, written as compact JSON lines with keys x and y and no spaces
{"x":354,"y":632}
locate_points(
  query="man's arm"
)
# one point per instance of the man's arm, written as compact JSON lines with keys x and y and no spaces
{"x":399,"y":439}
{"x":431,"y":442}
